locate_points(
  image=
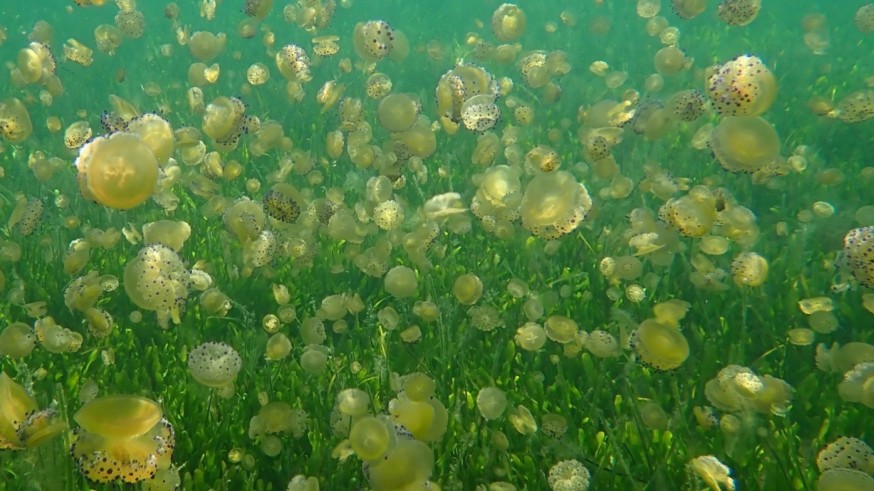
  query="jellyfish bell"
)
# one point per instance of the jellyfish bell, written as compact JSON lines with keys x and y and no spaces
{"x":670,"y":61}
{"x":156,"y":133}
{"x":738,"y":12}
{"x":398,"y":112}
{"x":15,"y":123}
{"x":855,"y":107}
{"x":326,"y":46}
{"x":744,"y":143}
{"x":743,"y":86}
{"x":661,"y":346}
{"x":214,"y":365}
{"x":119,"y":171}
{"x":373,"y":40}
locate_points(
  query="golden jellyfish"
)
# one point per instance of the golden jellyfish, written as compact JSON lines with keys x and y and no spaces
{"x":738,"y":12}
{"x":855,"y":107}
{"x":257,"y":74}
{"x":864,"y":18}
{"x":491,"y":402}
{"x":156,"y":133}
{"x":401,"y":282}
{"x":648,"y":9}
{"x":293,"y":63}
{"x":859,"y":254}
{"x":743,"y":86}
{"x":398,"y":112}
{"x":156,"y":279}
{"x":569,"y":475}
{"x":670,"y":61}
{"x":420,"y":140}
{"x":77,"y":134}
{"x":744,"y":143}
{"x":660,"y":346}
{"x":205,"y":46}
{"x":687,"y":105}
{"x":17,"y":340}
{"x":457,"y":86}
{"x":408,"y":465}
{"x":694,"y":214}
{"x":108,"y":38}
{"x":554,"y":204}
{"x":467,"y":289}
{"x":480,"y":113}
{"x":326,"y":46}
{"x":225,"y":121}
{"x":373,"y":40}
{"x":167,"y":232}
{"x":122,"y":437}
{"x":713,"y":472}
{"x":78,"y":53}
{"x":749,"y":269}
{"x":119,"y":171}
{"x":132,"y":23}
{"x":371,"y":438}
{"x":388,"y":215}
{"x":15,"y":123}
{"x":258,"y":9}
{"x":688,"y":9}
{"x":22,"y":424}
{"x":283,"y":202}
{"x":378,"y":86}
{"x":508,"y":22}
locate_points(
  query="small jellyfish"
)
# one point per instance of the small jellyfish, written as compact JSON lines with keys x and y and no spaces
{"x":569,"y":475}
{"x":326,"y":46}
{"x":378,"y":86}
{"x":398,"y":112}
{"x":661,"y":346}
{"x":855,"y":107}
{"x":119,"y":171}
{"x":214,"y":364}
{"x":859,"y":252}
{"x":864,"y":18}
{"x":687,"y":105}
{"x":373,"y":40}
{"x":132,"y":23}
{"x":744,"y":143}
{"x":508,"y":22}
{"x":480,"y":113}
{"x":283,"y":202}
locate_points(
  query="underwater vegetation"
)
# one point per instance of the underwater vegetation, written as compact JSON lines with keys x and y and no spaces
{"x":415,"y":246}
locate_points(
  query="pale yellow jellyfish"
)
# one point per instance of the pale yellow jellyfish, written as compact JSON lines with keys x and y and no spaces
{"x":739,"y":12}
{"x":859,"y":251}
{"x":119,"y":171}
{"x":214,"y":365}
{"x":508,"y":22}
{"x":659,"y":345}
{"x":744,"y":143}
{"x":373,"y":40}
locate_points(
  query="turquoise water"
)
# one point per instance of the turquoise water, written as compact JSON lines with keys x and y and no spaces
{"x":571,"y":323}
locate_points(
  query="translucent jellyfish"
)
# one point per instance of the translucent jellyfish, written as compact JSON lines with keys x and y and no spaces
{"x":119,"y":171}
{"x":530,"y":337}
{"x":659,"y":345}
{"x":214,"y":365}
{"x":132,"y":23}
{"x":687,"y":105}
{"x":744,"y":143}
{"x":19,"y":420}
{"x":739,"y":12}
{"x":373,"y":40}
{"x":156,"y":133}
{"x":122,"y":437}
{"x":480,"y":113}
{"x":257,"y":74}
{"x":743,"y":86}
{"x":170,"y":233}
{"x":245,"y":219}
{"x":15,"y":123}
{"x":78,"y":53}
{"x":17,"y":340}
{"x":855,"y":107}
{"x":378,"y":86}
{"x":670,"y":61}
{"x":568,"y":475}
{"x":77,"y":134}
{"x":467,"y":289}
{"x":401,"y":282}
{"x":508,"y":22}
{"x":157,"y":280}
{"x":554,"y":204}
{"x":55,"y":338}
{"x":864,"y":18}
{"x":859,"y":252}
{"x":371,"y":438}
{"x":410,"y":463}
{"x":858,"y":384}
{"x":398,"y":112}
{"x":491,"y":402}
{"x":108,"y":38}
{"x":694,"y":214}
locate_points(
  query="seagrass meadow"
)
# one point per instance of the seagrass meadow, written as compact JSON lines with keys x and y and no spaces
{"x":409,"y":245}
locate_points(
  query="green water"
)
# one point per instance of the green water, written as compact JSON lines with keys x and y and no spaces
{"x":605,"y":401}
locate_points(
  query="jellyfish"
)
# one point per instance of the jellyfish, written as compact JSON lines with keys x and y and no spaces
{"x":864,"y":18}
{"x":122,"y":437}
{"x":157,"y":280}
{"x":568,"y":475}
{"x":398,"y":112}
{"x":491,"y":402}
{"x":15,"y":123}
{"x":744,"y":143}
{"x":119,"y":171}
{"x":687,"y":105}
{"x":846,"y":453}
{"x":480,"y":113}
{"x":738,"y":12}
{"x":132,"y":23}
{"x":508,"y":22}
{"x":373,"y":40}
{"x":743,"y":86}
{"x":659,"y":345}
{"x":855,"y":107}
{"x":371,"y":438}
{"x":326,"y":46}
{"x":858,"y":247}
{"x":214,"y":364}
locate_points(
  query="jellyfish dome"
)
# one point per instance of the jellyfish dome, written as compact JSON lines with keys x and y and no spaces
{"x":119,"y":171}
{"x":743,"y":86}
